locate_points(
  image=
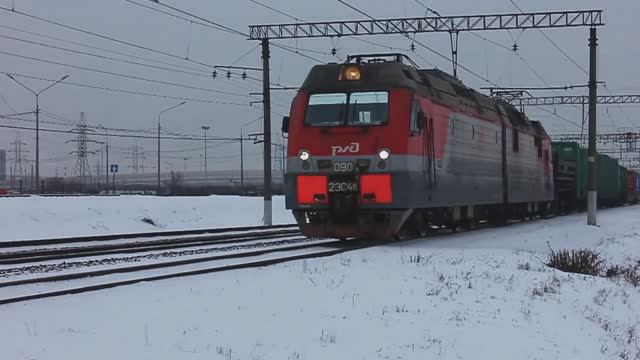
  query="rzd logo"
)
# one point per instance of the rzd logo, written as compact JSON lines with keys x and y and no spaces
{"x":351,"y":148}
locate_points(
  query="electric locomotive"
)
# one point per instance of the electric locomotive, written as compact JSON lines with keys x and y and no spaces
{"x":378,"y":148}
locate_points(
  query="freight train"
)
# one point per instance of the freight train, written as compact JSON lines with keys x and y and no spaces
{"x":616,"y":184}
{"x":378,"y":148}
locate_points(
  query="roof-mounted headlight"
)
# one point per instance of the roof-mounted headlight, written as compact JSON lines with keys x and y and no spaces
{"x":351,"y":72}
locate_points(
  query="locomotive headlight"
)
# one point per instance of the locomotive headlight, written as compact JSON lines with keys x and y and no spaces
{"x":304,"y":155}
{"x":351,"y":72}
{"x":384,"y":154}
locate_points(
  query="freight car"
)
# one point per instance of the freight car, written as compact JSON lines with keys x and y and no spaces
{"x":633,"y":187}
{"x":570,"y":161}
{"x":379,"y":148}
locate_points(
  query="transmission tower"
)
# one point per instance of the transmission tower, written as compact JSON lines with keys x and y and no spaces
{"x":99,"y":166}
{"x":82,"y":169}
{"x":133,"y":155}
{"x":136,"y":154}
{"x":142,"y":157}
{"x":19,"y":160}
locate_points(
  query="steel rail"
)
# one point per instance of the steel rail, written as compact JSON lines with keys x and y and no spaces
{"x":342,"y":247}
{"x":22,"y":257}
{"x":68,"y":240}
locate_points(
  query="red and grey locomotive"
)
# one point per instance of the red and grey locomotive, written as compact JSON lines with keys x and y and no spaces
{"x":378,"y":147}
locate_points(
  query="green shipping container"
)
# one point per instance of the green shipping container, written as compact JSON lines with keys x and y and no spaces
{"x":622,"y":190}
{"x":609,"y":179}
{"x":609,"y":175}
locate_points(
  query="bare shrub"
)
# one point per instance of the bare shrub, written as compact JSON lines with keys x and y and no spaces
{"x":583,"y":261}
{"x":525,"y":266}
{"x":326,"y":338}
{"x":628,"y":273}
{"x":149,"y":221}
{"x":551,"y":286}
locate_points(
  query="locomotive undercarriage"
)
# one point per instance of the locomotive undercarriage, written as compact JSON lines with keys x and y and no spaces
{"x":344,"y":220}
{"x":424,"y":221}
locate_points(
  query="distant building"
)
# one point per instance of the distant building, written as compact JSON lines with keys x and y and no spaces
{"x":3,"y":165}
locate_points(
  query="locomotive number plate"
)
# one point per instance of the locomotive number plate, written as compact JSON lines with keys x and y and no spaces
{"x":343,"y":186}
{"x":343,"y":167}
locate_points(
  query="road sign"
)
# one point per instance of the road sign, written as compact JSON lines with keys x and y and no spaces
{"x":114,"y":168}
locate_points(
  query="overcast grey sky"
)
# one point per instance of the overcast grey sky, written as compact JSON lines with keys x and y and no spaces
{"x":618,"y":54}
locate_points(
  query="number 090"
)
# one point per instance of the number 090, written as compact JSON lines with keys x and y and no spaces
{"x":343,"y":167}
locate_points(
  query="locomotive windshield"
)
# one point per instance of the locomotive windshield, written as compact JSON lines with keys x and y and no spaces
{"x":354,"y":109}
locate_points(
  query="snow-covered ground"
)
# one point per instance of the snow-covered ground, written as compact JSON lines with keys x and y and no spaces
{"x":38,"y":217}
{"x":479,"y":295}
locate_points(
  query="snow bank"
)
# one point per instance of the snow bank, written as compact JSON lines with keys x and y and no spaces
{"x":38,"y":217}
{"x":477,"y":295}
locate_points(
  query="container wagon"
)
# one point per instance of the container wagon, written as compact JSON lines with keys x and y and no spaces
{"x":633,"y":186}
{"x":623,"y":191}
{"x":571,"y":177}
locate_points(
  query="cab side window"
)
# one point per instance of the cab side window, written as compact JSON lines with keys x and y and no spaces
{"x":413,"y":123}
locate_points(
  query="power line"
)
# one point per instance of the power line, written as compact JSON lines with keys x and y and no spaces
{"x":302,"y":20}
{"x":284,"y":47}
{"x":130,"y":92}
{"x":201,"y":74}
{"x":57,"y":117}
{"x":559,"y":116}
{"x":428,"y":8}
{"x":297,"y":48}
{"x":42,"y":121}
{"x":105,"y":50}
{"x":245,"y":54}
{"x":232,"y":31}
{"x":119,"y":74}
{"x":554,"y":43}
{"x":112,"y":129}
{"x":422,"y":45}
{"x":533,"y":70}
{"x":277,"y":11}
{"x":436,"y":13}
{"x":67,"y":122}
{"x":195,"y":138}
{"x":7,"y":103}
{"x":175,"y":16}
{"x":215,"y":26}
{"x":570,"y":59}
{"x":103,"y":36}
{"x":220,"y":26}
{"x":31,"y":121}
{"x":146,"y":48}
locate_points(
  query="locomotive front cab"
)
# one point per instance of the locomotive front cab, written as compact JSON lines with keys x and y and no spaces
{"x":344,"y":150}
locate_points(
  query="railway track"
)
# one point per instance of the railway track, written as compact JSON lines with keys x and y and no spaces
{"x":90,"y":264}
{"x":129,"y":236}
{"x":151,"y":257}
{"x":99,"y":246}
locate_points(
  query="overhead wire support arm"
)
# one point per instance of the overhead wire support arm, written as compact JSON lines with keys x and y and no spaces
{"x":601,"y":138}
{"x":237,"y":67}
{"x":533,"y":20}
{"x":541,"y":88}
{"x":575,"y":100}
{"x":453,"y":36}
